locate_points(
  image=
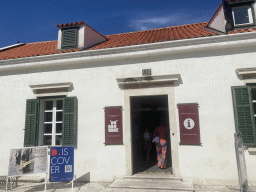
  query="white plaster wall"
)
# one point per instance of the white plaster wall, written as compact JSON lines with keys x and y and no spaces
{"x":218,"y":21}
{"x":206,"y":78}
{"x":81,"y":36}
{"x":210,"y":87}
{"x":92,"y":37}
{"x":95,"y":88}
{"x":59,"y":39}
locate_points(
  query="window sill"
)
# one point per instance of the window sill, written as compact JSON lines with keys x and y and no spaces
{"x":244,"y":25}
{"x":246,"y":73}
{"x":252,"y":150}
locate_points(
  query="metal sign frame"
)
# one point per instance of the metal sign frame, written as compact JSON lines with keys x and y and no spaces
{"x":241,"y":164}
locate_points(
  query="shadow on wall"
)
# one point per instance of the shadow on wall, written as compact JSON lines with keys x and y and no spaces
{"x":84,"y":178}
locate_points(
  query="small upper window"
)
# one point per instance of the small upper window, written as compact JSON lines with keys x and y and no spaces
{"x":242,"y":15}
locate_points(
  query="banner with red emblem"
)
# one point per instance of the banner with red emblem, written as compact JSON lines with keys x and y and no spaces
{"x":113,"y":125}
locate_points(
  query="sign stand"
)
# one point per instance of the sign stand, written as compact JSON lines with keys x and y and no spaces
{"x":72,"y":185}
{"x":241,"y":165}
{"x":45,"y":185}
{"x":6,"y":184}
{"x":73,"y":182}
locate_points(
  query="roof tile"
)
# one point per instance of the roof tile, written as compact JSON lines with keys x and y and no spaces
{"x":71,"y":24}
{"x":117,"y":40}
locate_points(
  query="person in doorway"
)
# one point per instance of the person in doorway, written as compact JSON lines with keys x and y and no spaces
{"x":161,"y":145}
{"x":147,"y":143}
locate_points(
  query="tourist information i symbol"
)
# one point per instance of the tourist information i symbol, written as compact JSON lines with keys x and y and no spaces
{"x":189,"y":123}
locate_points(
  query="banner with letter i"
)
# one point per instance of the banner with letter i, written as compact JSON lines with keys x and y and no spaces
{"x":61,"y":164}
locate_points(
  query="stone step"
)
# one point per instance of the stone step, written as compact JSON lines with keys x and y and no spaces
{"x":153,"y":176}
{"x":141,"y":180}
{"x":171,"y":185}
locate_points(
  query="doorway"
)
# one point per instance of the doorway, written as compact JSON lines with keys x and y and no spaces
{"x":146,"y":112}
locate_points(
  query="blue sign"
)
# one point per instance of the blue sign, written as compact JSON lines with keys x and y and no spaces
{"x":61,"y":164}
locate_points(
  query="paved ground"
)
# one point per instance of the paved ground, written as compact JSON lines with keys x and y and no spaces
{"x":104,"y":187}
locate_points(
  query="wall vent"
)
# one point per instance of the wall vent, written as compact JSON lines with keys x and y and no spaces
{"x":69,"y":38}
{"x":146,"y":72}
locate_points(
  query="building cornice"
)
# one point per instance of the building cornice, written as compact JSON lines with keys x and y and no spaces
{"x":135,"y":51}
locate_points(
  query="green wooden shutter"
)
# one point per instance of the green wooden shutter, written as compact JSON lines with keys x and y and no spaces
{"x":69,"y":129}
{"x":69,"y":38}
{"x":31,"y":124}
{"x":244,"y":115}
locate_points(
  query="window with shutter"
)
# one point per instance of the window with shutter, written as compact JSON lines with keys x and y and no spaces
{"x":69,"y":38}
{"x":31,"y":123}
{"x":51,"y":121}
{"x":244,"y":113}
{"x":69,"y":121}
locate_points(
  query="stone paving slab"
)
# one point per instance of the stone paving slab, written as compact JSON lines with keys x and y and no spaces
{"x":104,"y":187}
{"x":221,"y":188}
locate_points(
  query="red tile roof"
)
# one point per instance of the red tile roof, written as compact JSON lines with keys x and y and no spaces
{"x":118,"y":40}
{"x":71,"y":24}
{"x":33,"y":49}
{"x":156,"y":35}
{"x":242,"y":30}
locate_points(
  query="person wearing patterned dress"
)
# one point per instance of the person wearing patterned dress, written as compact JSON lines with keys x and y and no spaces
{"x":161,"y":147}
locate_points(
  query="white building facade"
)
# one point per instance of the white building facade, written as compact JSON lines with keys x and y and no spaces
{"x":199,"y":70}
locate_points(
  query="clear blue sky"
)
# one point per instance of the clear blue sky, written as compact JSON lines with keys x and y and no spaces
{"x":35,"y":20}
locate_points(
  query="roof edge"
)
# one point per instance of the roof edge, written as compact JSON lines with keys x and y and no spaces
{"x":11,"y":46}
{"x":145,"y":50}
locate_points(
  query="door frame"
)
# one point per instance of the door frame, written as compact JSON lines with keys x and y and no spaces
{"x":169,"y":91}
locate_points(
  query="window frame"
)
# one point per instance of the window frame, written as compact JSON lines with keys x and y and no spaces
{"x":74,"y":44}
{"x":54,"y":121}
{"x":251,"y":14}
{"x":69,"y":122}
{"x":244,"y":114}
